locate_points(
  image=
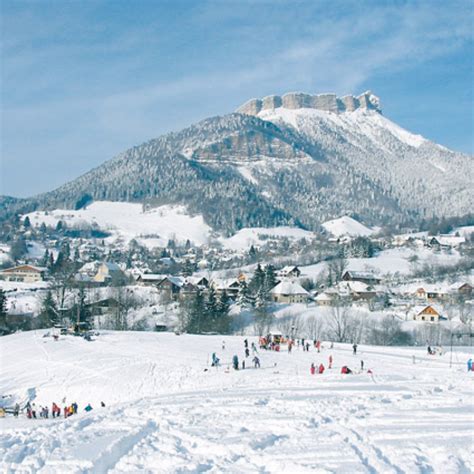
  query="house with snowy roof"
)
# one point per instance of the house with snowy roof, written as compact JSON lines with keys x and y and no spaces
{"x":150,"y":279}
{"x":229,"y":285}
{"x":365,"y":277}
{"x":290,"y":271}
{"x":356,"y":290}
{"x":324,"y":299}
{"x":23,"y":273}
{"x":445,"y":241}
{"x":289,"y":292}
{"x":426,"y":314}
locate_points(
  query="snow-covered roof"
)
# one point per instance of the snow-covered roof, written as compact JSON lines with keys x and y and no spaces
{"x":152,"y":277}
{"x":354,"y":286}
{"x":324,"y":296}
{"x":363,"y":275}
{"x":289,"y":288}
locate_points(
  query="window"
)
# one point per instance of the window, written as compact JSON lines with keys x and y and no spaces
{"x":432,"y":318}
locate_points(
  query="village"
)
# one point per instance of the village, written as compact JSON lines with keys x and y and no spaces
{"x":422,"y":283}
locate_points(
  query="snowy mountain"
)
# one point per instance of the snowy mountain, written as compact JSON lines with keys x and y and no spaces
{"x":292,"y":160}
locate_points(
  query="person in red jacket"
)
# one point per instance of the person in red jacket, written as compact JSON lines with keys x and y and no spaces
{"x":346,"y":370}
{"x":321,"y":368}
{"x":312,"y":369}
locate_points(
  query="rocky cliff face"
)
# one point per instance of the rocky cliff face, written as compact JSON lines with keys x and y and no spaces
{"x":324,"y":102}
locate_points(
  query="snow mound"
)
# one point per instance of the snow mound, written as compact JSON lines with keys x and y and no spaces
{"x":347,"y":226}
{"x":130,"y":220}
{"x":258,"y":236}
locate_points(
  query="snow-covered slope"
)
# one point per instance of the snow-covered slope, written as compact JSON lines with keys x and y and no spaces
{"x":128,"y":221}
{"x":347,"y":226}
{"x":168,"y":411}
{"x":258,"y":236}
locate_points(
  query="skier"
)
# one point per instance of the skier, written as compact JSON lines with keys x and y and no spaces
{"x":330,"y":361}
{"x":223,"y":345}
{"x":215,"y":360}
{"x":256,"y":362}
{"x":74,"y":408}
{"x":33,"y":410}
{"x":254,"y":348}
{"x":235,"y":362}
{"x":247,"y":352}
{"x":354,"y":348}
{"x":312,"y":369}
{"x":346,"y":370}
{"x":16,"y":410}
{"x":361,"y":365}
{"x":246,"y":343}
{"x":321,"y":369}
{"x":318,"y":346}
{"x":290,"y":346}
{"x":430,"y":352}
{"x":469,"y":365}
{"x":307,"y":347}
{"x":243,"y":364}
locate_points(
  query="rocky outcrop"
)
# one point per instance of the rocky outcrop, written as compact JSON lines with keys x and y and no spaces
{"x":326,"y":102}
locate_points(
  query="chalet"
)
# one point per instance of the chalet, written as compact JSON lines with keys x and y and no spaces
{"x":101,"y":307}
{"x":324,"y":299}
{"x":170,"y":287}
{"x":357,"y":290}
{"x":420,"y":293}
{"x":230,"y":286}
{"x":149,"y":279}
{"x":364,"y":277}
{"x":426,"y":313}
{"x":23,"y":273}
{"x":465,"y":290}
{"x":199,"y":281}
{"x":430,"y":293}
{"x":98,"y":272}
{"x":290,"y":271}
{"x":445,"y":241}
{"x":107,"y":271}
{"x":289,"y":292}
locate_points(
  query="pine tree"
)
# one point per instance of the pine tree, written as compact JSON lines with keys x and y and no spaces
{"x":83,"y":312}
{"x":270,"y":279}
{"x":49,"y":313}
{"x":3,"y":311}
{"x":26,"y":223}
{"x":211,"y":310}
{"x":45,"y":259}
{"x":258,"y":280}
{"x":223,"y":321}
{"x":195,"y":316}
{"x":243,"y":296}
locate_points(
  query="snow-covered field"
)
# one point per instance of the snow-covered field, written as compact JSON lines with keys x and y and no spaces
{"x":168,"y":411}
{"x":128,"y":221}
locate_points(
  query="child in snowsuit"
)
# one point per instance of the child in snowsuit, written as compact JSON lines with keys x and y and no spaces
{"x":312,"y":369}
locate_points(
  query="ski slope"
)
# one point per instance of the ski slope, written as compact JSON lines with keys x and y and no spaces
{"x":165,"y":413}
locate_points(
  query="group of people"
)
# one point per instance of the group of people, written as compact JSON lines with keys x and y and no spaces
{"x":33,"y":411}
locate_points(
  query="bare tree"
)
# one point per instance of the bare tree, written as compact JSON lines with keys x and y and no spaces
{"x":314,"y":327}
{"x":339,"y":321}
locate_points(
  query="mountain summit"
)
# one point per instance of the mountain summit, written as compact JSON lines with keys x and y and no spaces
{"x":298,"y":159}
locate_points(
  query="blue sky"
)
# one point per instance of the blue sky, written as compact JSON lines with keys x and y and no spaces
{"x":84,"y":80}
